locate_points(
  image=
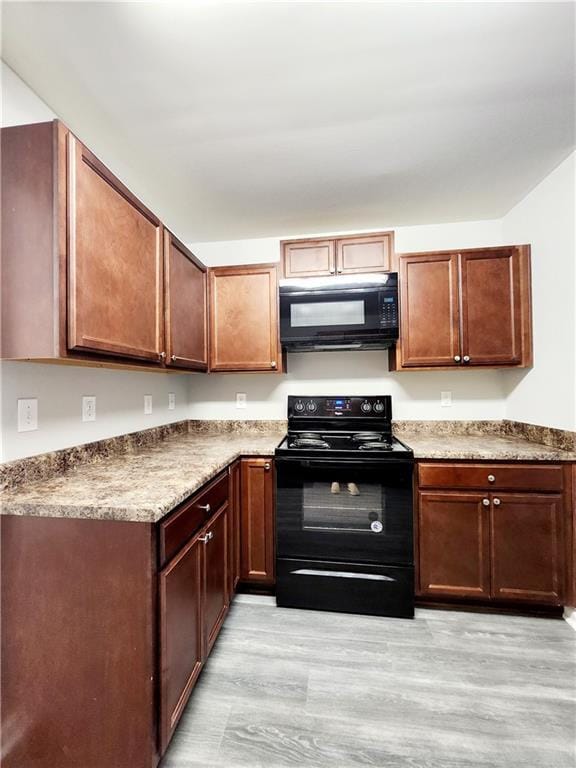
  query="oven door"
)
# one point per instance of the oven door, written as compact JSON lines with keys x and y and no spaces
{"x":353,"y":510}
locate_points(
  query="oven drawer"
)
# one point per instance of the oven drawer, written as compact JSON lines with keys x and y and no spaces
{"x":177,"y":529}
{"x":346,"y":587}
{"x":512,"y":477}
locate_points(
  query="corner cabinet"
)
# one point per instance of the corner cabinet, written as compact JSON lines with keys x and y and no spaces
{"x":244,"y":326}
{"x":465,"y":309}
{"x":352,"y":254}
{"x":494,"y":532}
{"x":186,"y":301}
{"x":257,"y":564}
{"x":85,"y":262}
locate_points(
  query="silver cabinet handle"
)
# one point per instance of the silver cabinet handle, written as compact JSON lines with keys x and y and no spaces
{"x":466,"y":358}
{"x":457,"y":358}
{"x":273,"y":364}
{"x":206,"y":538}
{"x":205,"y":507}
{"x":162,"y":355}
{"x":497,"y":502}
{"x":339,"y":271}
{"x":491,"y":479}
{"x":332,"y":271}
{"x":267,"y":466}
{"x":486,"y":502}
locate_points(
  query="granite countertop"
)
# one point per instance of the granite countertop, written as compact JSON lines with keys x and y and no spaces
{"x":141,"y":486}
{"x":481,"y":447}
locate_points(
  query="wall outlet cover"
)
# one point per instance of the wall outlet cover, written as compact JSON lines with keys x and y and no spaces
{"x":171,"y":401}
{"x":88,"y":408}
{"x":445,"y":399}
{"x":240,"y":399}
{"x":27,"y":414}
{"x":147,"y":404}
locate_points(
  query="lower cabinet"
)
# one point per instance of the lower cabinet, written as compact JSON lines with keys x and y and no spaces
{"x":257,"y":522}
{"x":492,"y":544}
{"x":193,"y":602}
{"x":234,"y":516}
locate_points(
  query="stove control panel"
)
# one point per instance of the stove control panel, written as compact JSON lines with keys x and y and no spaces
{"x":377,"y":407}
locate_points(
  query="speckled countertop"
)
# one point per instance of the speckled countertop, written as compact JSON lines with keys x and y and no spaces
{"x":141,"y":486}
{"x":146,"y":482}
{"x":481,"y":447}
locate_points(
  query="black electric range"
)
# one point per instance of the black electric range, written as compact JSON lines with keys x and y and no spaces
{"x":344,"y":508}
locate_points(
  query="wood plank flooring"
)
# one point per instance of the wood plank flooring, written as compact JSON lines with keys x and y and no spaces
{"x":291,"y":689}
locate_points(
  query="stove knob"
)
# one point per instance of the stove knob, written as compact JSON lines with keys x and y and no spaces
{"x":378,"y":407}
{"x":366,"y":407}
{"x":311,"y":406}
{"x":299,"y":406}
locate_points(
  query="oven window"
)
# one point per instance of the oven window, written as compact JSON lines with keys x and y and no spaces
{"x":342,"y":505}
{"x":322,"y":313}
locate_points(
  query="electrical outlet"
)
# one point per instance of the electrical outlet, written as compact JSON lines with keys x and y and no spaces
{"x":88,"y":408}
{"x":27,"y":414}
{"x":147,"y":404}
{"x":446,"y":399}
{"x":240,"y":399}
{"x":171,"y":401}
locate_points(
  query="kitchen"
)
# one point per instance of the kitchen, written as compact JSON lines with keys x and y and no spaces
{"x":288,"y":398}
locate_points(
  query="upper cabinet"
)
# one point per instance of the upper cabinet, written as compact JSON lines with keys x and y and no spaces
{"x":186,"y":294}
{"x":465,"y":308}
{"x":84,"y":263}
{"x":115,"y":301}
{"x":244,"y":329}
{"x":339,"y":256}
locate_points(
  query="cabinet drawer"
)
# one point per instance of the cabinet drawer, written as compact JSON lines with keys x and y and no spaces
{"x":524,"y":477}
{"x":190,"y":516}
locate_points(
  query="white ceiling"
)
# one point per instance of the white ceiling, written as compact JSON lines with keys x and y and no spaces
{"x":243,"y":119}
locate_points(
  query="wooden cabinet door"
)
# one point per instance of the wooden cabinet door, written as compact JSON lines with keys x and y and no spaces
{"x":114,"y":264}
{"x":181,"y":634}
{"x":491,"y":307}
{"x":185,"y":287}
{"x":216,"y":576}
{"x":527,"y":547}
{"x":234,"y":514}
{"x":244,"y":329}
{"x":454,"y":544}
{"x":365,"y":253}
{"x":429,"y":311}
{"x":308,"y":258}
{"x":257,"y":525}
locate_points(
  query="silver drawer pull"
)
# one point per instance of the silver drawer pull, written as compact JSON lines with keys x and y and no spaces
{"x":342,"y":575}
{"x":457,"y":358}
{"x":205,"y":507}
{"x":206,"y":538}
{"x":486,"y":502}
{"x":491,"y":479}
{"x":497,"y":502}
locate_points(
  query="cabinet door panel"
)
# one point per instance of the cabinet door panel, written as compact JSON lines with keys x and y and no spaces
{"x":181,"y":634}
{"x":244,"y":319}
{"x":491,"y":307}
{"x":308,"y":258}
{"x":527,"y":547}
{"x":372,"y":253}
{"x":454,"y":545}
{"x":186,"y":307}
{"x":429,"y":311}
{"x":114,"y":264}
{"x":216,"y":558}
{"x":258,"y":550}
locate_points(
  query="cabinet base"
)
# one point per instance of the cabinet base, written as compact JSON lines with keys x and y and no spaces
{"x":490,"y":606}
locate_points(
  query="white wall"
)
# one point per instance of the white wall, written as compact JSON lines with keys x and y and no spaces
{"x":476,"y":394}
{"x":546,"y":394}
{"x":59,"y":389}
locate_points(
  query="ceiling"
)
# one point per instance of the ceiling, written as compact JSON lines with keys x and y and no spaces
{"x":250,"y":119}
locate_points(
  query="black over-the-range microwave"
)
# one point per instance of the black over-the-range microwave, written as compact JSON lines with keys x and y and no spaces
{"x":353,"y":312}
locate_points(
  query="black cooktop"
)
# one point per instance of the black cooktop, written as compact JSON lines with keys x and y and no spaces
{"x":342,"y":444}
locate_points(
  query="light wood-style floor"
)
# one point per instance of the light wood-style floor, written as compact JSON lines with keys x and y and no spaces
{"x":290,"y":688}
